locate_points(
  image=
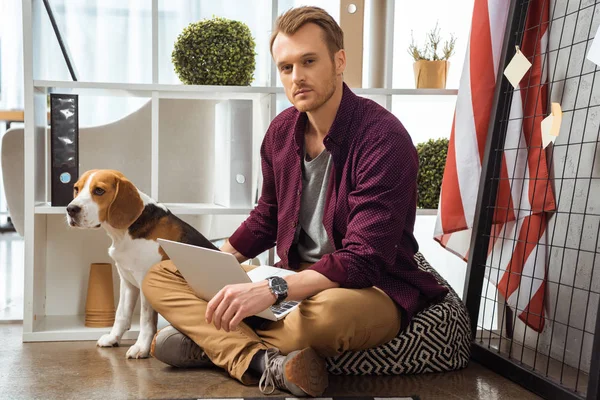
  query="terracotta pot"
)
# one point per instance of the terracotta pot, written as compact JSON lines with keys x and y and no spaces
{"x":431,"y":74}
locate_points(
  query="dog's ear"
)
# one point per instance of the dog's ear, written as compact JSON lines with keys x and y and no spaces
{"x":126,"y":206}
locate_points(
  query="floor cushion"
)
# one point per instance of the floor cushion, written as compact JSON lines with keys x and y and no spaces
{"x":437,"y":339}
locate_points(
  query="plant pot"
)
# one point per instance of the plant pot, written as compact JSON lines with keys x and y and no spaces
{"x":431,"y":74}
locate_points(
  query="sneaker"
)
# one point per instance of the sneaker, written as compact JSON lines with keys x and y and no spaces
{"x":302,"y":372}
{"x":176,"y":349}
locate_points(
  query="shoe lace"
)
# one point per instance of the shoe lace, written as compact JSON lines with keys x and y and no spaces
{"x":196,"y":353}
{"x":192,"y":350}
{"x":273,"y":375}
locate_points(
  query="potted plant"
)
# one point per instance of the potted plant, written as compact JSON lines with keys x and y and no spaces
{"x":215,"y":51}
{"x":431,"y":68}
{"x":432,"y":162}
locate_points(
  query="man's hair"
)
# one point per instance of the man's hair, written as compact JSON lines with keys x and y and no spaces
{"x":292,"y":20}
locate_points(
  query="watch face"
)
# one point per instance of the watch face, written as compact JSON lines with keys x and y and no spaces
{"x":279,"y":285}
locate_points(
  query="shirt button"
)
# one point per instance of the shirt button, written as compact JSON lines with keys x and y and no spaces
{"x":298,"y":192}
{"x":294,"y":224}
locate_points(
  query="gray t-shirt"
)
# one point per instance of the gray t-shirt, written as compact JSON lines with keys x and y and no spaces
{"x":313,"y":242}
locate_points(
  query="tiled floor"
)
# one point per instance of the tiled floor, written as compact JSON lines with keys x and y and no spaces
{"x":80,"y":370}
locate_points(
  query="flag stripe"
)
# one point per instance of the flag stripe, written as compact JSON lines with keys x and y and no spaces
{"x":467,"y":152}
{"x":482,"y":75}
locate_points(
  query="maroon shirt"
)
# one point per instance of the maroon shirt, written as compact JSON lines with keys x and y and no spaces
{"x":370,"y":208}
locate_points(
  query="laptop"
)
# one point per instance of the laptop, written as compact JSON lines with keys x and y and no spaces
{"x":207,"y":271}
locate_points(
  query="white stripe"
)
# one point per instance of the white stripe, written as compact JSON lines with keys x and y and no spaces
{"x":498,"y":12}
{"x":516,"y":160}
{"x":502,"y":252}
{"x":460,"y":242}
{"x":438,"y":230}
{"x":466,"y":149}
{"x":545,"y":58}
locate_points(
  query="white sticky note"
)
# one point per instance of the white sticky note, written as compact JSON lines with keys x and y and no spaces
{"x":517,"y":68}
{"x":547,"y":138}
{"x":551,"y":125}
{"x":594,"y":54}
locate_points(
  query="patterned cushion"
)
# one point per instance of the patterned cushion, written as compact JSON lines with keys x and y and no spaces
{"x":437,"y":339}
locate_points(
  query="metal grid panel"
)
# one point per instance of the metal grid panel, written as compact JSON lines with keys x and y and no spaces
{"x":563,"y":360}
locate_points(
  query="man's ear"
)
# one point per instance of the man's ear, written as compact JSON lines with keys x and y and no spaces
{"x":340,"y":61}
{"x":127,"y":205}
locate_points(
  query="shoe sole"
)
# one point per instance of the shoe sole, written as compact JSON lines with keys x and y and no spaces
{"x":308,"y":371}
{"x":153,"y":344}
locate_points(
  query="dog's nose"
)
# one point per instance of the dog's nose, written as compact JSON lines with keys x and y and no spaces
{"x":73,"y":210}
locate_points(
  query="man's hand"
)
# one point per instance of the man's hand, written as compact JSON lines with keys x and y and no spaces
{"x":233,"y":303}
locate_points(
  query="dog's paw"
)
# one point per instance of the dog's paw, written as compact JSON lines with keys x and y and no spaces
{"x":138,"y":351}
{"x":108,"y":340}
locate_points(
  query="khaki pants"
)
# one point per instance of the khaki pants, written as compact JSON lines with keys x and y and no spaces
{"x":330,"y":322}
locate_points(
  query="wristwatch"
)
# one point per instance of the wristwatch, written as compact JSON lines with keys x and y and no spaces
{"x":278,"y":287}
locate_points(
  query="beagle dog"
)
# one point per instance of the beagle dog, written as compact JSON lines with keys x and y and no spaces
{"x":133,"y":220}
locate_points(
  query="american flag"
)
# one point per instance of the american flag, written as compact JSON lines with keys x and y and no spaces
{"x":517,"y":251}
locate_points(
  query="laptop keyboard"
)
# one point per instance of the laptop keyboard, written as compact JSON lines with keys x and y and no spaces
{"x":283,"y":307}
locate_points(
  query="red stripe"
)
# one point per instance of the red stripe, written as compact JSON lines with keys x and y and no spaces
{"x":444,"y":239}
{"x":495,"y":236}
{"x":453,"y":213}
{"x":504,"y":210}
{"x":483,"y":79}
{"x":534,"y":312}
{"x":531,"y":231}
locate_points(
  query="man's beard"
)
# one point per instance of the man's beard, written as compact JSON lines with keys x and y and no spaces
{"x":321,"y":99}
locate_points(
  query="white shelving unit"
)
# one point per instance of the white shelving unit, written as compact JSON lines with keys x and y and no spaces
{"x":50,"y":252}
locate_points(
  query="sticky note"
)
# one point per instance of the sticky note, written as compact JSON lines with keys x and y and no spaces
{"x":517,"y":68}
{"x":594,"y":54}
{"x":546,"y":128}
{"x":551,"y":125}
{"x":557,"y":114}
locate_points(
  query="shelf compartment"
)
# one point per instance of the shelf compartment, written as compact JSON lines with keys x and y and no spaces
{"x":72,"y":327}
{"x":177,"y":91}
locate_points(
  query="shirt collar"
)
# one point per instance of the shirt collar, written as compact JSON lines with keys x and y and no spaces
{"x":340,"y":129}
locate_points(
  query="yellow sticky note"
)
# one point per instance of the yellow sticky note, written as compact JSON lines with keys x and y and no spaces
{"x":557,"y":114}
{"x":551,"y":125}
{"x":517,"y":68}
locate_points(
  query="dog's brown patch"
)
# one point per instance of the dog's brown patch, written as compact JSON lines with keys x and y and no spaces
{"x":81,"y":182}
{"x":120,"y":204}
{"x":167,"y":230}
{"x":163,"y":227}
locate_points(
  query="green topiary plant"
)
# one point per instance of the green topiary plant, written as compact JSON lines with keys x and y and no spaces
{"x":432,"y":161}
{"x":215,"y":51}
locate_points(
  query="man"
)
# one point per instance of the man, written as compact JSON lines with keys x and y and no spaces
{"x":339,"y":200}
